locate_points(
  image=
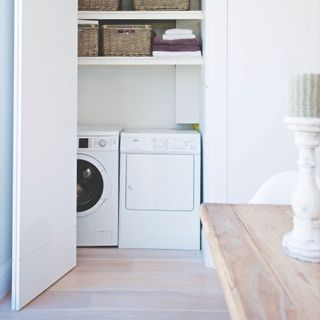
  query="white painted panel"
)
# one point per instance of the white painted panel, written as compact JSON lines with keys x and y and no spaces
{"x":130,"y":96}
{"x":6,"y":122}
{"x":140,"y":15}
{"x":45,"y":145}
{"x":5,"y":273}
{"x":140,"y":61}
{"x":187,"y":94}
{"x":206,"y":251}
{"x":213,"y":112}
{"x":268,"y":41}
{"x":188,"y":83}
{"x":49,"y":262}
{"x":160,"y":182}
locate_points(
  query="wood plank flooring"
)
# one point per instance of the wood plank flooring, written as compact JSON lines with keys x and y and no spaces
{"x":119,"y":284}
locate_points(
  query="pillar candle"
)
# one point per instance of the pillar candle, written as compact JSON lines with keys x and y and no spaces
{"x":305,"y":95}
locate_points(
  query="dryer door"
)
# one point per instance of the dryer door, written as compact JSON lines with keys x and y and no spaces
{"x":93,"y":185}
{"x":160,"y":182}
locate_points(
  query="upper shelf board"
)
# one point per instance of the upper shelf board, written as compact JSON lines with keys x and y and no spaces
{"x":134,"y":61}
{"x":140,"y":15}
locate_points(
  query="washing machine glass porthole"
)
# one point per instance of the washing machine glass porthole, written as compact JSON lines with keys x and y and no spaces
{"x":89,"y":185}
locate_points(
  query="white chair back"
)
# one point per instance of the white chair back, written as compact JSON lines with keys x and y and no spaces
{"x":277,"y":190}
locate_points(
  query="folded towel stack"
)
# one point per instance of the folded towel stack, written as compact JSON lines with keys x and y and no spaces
{"x":177,"y":42}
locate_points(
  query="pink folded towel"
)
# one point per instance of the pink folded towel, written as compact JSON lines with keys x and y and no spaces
{"x":175,"y":48}
{"x":159,"y":41}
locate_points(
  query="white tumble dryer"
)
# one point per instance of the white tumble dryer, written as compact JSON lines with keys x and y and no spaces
{"x":97,"y":186}
{"x":160,"y":189}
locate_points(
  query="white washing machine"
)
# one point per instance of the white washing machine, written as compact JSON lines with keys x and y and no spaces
{"x":160,"y":189}
{"x":97,"y":186}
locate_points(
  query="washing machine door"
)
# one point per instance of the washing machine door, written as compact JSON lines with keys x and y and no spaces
{"x":93,"y":185}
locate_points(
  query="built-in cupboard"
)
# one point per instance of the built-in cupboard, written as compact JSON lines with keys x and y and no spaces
{"x":54,"y":92}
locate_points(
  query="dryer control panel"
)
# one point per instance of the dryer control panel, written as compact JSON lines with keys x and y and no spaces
{"x":98,"y":143}
{"x":173,"y":145}
{"x":179,"y":144}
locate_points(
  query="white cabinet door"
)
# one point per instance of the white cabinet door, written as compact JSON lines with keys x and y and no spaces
{"x":160,"y":182}
{"x":44,"y":205}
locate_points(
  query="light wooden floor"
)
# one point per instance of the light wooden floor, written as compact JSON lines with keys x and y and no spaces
{"x":117,"y":284}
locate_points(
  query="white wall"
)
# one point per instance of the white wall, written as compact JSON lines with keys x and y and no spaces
{"x":214,"y":105}
{"x":6,"y":107}
{"x":264,"y":42}
{"x":268,"y":41}
{"x":130,"y":96}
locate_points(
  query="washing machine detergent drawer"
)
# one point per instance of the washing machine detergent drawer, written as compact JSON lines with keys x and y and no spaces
{"x":160,"y":182}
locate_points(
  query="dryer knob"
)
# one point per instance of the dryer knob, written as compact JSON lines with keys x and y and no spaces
{"x":102,"y":143}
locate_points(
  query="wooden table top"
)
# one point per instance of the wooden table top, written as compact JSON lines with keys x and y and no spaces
{"x":258,"y":280}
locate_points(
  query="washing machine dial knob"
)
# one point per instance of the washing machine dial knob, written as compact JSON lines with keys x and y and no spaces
{"x":102,"y":143}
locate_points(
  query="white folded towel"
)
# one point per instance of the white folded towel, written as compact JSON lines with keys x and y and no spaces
{"x":168,"y":54}
{"x":178,"y":36}
{"x":88,"y":22}
{"x":179,"y":31}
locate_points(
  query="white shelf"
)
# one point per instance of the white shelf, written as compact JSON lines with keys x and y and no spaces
{"x":140,"y":15}
{"x":136,"y":61}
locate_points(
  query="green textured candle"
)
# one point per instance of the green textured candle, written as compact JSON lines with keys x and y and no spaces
{"x":305,"y":95}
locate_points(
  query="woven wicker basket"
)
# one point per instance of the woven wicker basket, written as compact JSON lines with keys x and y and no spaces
{"x":182,"y":5}
{"x":99,"y":5}
{"x":88,"y":40}
{"x":126,"y":40}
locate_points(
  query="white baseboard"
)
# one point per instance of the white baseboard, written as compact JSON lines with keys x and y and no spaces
{"x":5,"y":278}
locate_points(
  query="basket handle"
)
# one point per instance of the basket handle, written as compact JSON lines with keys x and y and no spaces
{"x":126,"y":31}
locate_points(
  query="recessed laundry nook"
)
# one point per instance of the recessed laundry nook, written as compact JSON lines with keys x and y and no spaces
{"x":155,"y":103}
{"x":138,"y":79}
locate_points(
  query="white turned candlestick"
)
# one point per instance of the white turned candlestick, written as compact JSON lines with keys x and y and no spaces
{"x":303,"y":242}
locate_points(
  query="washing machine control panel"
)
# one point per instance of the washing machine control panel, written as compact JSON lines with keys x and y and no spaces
{"x":98,"y":143}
